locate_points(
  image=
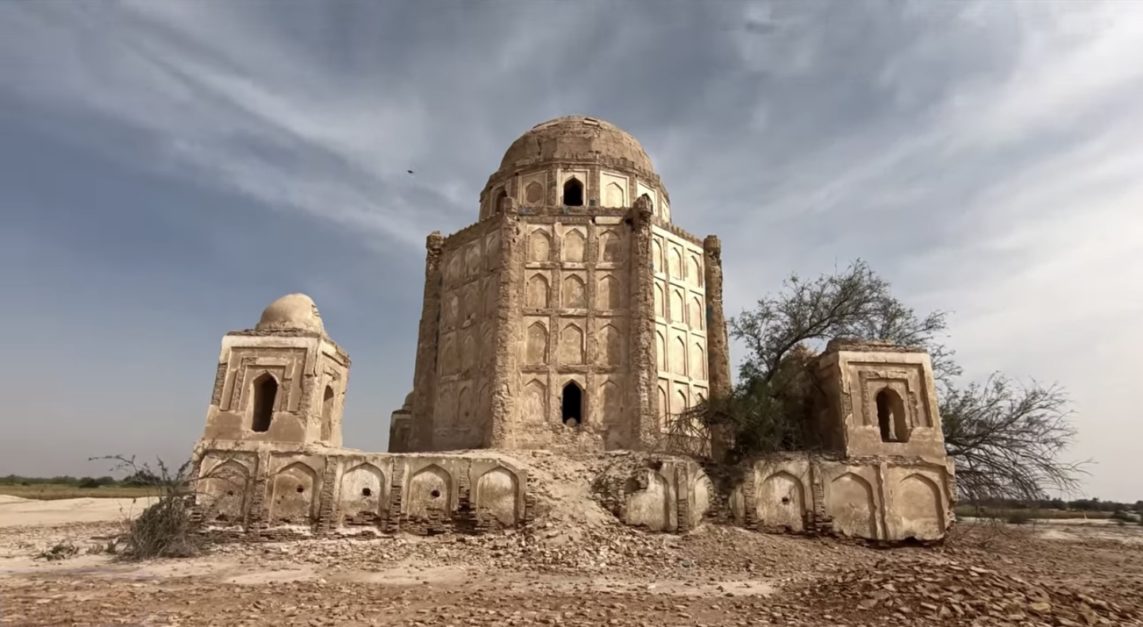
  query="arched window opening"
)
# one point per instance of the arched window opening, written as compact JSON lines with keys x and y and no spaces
{"x":265,"y":393}
{"x":327,"y":413}
{"x":498,"y":202}
{"x":571,"y":405}
{"x":891,"y":416}
{"x":573,"y":193}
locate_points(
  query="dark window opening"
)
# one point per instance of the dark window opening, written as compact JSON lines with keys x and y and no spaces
{"x":572,"y":405}
{"x":366,"y":492}
{"x":498,"y":203}
{"x":436,"y":494}
{"x":573,"y":193}
{"x":891,"y":416}
{"x":300,"y":489}
{"x":327,"y":413}
{"x":265,"y":393}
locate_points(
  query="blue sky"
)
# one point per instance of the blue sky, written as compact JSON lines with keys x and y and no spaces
{"x":169,"y":168}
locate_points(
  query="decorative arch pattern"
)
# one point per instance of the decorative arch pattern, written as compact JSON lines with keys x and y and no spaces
{"x":536,"y":295}
{"x":574,"y":293}
{"x":539,"y":246}
{"x":536,"y":351}
{"x":573,"y":246}
{"x":571,"y":345}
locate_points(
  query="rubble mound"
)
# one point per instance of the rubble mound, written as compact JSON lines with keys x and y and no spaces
{"x":907,"y":592}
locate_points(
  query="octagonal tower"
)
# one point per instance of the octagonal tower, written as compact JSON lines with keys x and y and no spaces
{"x":573,"y":314}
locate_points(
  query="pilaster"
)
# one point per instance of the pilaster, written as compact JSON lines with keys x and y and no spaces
{"x":424,"y":378}
{"x":644,"y":421}
{"x":718,"y":355}
{"x":507,"y":341}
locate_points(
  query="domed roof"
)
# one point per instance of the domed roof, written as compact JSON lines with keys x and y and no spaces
{"x":576,"y":138}
{"x":291,"y":312}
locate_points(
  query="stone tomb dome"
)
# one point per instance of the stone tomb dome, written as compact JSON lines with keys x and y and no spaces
{"x":609,"y":167}
{"x":292,"y":312}
{"x":576,"y":138}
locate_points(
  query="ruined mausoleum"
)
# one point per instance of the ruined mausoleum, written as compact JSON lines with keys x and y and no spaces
{"x":573,"y":314}
{"x":574,"y":317}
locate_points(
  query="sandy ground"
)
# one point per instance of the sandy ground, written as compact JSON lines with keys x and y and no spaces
{"x":19,"y":512}
{"x":594,"y":574}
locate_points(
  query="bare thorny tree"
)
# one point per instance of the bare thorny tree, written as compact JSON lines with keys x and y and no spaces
{"x":168,"y":527}
{"x":1007,"y":439}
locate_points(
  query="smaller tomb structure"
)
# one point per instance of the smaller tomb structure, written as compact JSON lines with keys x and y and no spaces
{"x":270,"y":459}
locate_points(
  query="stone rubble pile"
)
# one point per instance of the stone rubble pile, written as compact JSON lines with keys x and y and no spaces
{"x":894,"y":591}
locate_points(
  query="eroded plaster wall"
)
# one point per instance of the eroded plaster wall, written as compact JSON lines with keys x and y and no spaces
{"x":875,"y":498}
{"x":262,"y":487}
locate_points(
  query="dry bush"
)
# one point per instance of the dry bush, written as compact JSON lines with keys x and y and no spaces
{"x":168,"y":528}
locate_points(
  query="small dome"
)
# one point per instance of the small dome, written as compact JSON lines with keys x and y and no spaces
{"x":408,"y":400}
{"x":575,"y":138}
{"x":291,"y":312}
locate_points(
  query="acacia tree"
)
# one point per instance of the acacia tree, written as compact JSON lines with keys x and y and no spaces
{"x":1007,"y":439}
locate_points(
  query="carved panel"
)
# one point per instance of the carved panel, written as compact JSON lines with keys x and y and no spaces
{"x":537,"y":292}
{"x":608,"y":294}
{"x":535,"y":401}
{"x":539,"y":246}
{"x":574,"y":293}
{"x":573,"y":246}
{"x":537,"y":344}
{"x":571,"y":345}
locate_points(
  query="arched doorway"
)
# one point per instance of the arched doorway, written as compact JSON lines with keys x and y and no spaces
{"x":571,"y":405}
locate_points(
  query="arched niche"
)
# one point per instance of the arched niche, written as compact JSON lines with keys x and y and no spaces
{"x":536,"y":295}
{"x":293,"y":495}
{"x":496,"y":496}
{"x":430,"y":494}
{"x":850,"y":503}
{"x":917,"y":509}
{"x":223,"y":493}
{"x":536,"y":350}
{"x":781,"y":502}
{"x":363,"y":494}
{"x":573,"y":246}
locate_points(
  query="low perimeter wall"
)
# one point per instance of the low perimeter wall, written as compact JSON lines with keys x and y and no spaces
{"x":880,"y":498}
{"x":261,"y":488}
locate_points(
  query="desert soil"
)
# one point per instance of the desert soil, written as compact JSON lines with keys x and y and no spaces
{"x":554,"y":574}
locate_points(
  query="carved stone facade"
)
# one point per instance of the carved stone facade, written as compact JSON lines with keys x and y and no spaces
{"x":573,"y":315}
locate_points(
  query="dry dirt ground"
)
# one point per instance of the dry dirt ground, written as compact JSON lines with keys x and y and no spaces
{"x":553,"y":574}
